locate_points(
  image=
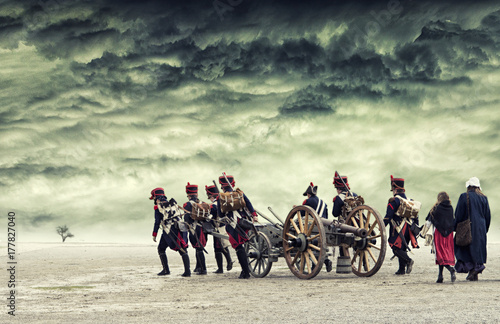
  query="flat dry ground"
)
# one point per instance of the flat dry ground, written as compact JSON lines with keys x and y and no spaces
{"x":117,"y":283}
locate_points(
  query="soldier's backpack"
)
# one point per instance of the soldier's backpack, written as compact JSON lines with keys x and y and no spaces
{"x":200,"y":211}
{"x":408,"y":208}
{"x":351,"y":202}
{"x":230,"y":201}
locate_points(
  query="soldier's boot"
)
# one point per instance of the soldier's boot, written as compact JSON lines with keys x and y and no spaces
{"x":185,"y":260}
{"x":197,"y":267}
{"x":409,"y":266}
{"x":242,"y":258}
{"x":229,"y":261}
{"x":201,"y":258}
{"x":218,"y":258}
{"x":405,"y":262}
{"x":329,"y":265}
{"x":402,"y":265}
{"x":164,"y":263}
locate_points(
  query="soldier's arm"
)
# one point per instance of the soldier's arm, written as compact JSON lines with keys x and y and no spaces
{"x":337,"y":206}
{"x":158,"y":219}
{"x":391,"y":210}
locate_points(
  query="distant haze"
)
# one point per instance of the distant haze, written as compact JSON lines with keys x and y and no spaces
{"x":102,"y":101}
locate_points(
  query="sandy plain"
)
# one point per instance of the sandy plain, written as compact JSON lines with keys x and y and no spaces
{"x":117,"y":283}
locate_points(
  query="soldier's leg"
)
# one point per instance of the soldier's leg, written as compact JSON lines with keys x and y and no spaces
{"x":162,"y":248}
{"x":218,"y":259}
{"x":200,"y":256}
{"x":227,"y":255}
{"x":185,"y":261}
{"x":218,"y":255}
{"x":192,"y":239}
{"x":242,"y":258}
{"x":402,"y":259}
{"x":328,"y":262}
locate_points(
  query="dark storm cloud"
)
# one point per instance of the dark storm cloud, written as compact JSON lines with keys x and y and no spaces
{"x":164,"y":160}
{"x":306,"y":101}
{"x":223,"y":98}
{"x":26,"y":170}
{"x":301,"y":58}
{"x":10,"y":29}
{"x":39,"y":220}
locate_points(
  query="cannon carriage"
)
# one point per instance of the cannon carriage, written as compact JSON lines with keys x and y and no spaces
{"x":304,"y":237}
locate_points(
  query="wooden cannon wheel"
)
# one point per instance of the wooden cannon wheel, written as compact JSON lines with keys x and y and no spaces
{"x":368,"y":256}
{"x":258,"y":248}
{"x":304,"y":242}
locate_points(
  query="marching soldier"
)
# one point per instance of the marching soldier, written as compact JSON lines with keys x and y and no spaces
{"x":321,"y":209}
{"x":399,"y":232}
{"x":238,"y":234}
{"x":220,"y":245}
{"x":171,"y":236}
{"x":197,"y":237}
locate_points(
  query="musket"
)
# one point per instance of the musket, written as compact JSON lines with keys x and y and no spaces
{"x":253,"y":226}
{"x":274,"y":214}
{"x":269,"y":220}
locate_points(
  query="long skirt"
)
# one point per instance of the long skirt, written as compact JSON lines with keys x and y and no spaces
{"x":445,"y":251}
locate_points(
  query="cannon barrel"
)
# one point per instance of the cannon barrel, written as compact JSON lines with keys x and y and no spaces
{"x":361,"y":232}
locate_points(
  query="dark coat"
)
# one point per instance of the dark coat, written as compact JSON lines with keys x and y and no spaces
{"x":442,"y":218}
{"x":315,"y":203}
{"x":338,"y":203}
{"x":480,"y":223}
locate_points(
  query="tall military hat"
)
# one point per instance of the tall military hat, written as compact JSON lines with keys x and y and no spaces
{"x":211,"y":190}
{"x":337,"y":182}
{"x":397,"y":183}
{"x":223,"y":182}
{"x":191,"y":189}
{"x":157,"y":192}
{"x":311,"y":189}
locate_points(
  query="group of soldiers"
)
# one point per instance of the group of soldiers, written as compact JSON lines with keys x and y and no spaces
{"x":179,"y":228}
{"x":181,"y":225}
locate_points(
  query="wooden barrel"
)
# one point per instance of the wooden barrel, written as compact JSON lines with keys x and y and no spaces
{"x":344,"y":264}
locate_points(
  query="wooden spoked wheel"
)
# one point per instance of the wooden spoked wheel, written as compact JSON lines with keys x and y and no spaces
{"x":368,"y":254}
{"x":304,"y":242}
{"x":258,"y":248}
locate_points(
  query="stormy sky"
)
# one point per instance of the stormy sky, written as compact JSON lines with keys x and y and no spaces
{"x":102,"y":101}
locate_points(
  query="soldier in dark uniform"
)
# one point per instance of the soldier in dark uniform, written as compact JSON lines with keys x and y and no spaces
{"x":197,"y":236}
{"x":339,"y":207}
{"x":321,"y":209}
{"x":343,"y":191}
{"x":400,"y":235}
{"x":237,"y":234}
{"x":172,"y":238}
{"x":219,"y":248}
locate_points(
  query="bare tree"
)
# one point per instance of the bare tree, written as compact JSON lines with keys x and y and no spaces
{"x":64,"y":232}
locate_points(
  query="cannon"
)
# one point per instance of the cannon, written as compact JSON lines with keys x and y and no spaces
{"x":304,"y":237}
